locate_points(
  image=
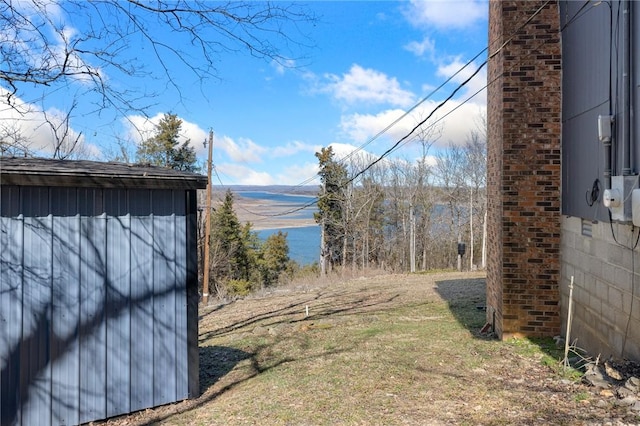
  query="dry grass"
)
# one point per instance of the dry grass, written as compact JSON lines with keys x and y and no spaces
{"x":384,"y":350}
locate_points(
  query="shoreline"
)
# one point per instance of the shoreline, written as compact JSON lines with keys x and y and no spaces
{"x":264,"y":214}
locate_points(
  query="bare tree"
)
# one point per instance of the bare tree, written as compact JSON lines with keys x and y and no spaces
{"x":66,"y":142}
{"x":450,"y":170}
{"x":13,"y":143}
{"x":421,"y":199}
{"x":475,"y":152}
{"x":43,"y":51}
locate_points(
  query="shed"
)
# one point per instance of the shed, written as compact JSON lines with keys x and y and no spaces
{"x":98,"y":289}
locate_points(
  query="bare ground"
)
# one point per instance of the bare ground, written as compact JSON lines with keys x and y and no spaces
{"x":382,"y":350}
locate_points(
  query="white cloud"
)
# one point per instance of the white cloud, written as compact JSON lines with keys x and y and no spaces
{"x":446,"y":14}
{"x":243,"y":150}
{"x":53,"y":48}
{"x":361,"y":127}
{"x":476,"y":84}
{"x":26,"y":124}
{"x":244,"y":175}
{"x":420,"y":48}
{"x":342,"y":150}
{"x":453,"y":122}
{"x":292,"y":148}
{"x":368,"y":86}
{"x":139,"y":128}
{"x":299,"y":173}
{"x":282,"y":65}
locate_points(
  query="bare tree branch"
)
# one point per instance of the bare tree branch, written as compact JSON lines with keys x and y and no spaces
{"x":41,"y":47}
{"x":66,"y":143}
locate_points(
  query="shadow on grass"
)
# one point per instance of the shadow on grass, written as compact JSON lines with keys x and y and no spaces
{"x":466,"y":300}
{"x":323,"y":305}
{"x":216,"y":362}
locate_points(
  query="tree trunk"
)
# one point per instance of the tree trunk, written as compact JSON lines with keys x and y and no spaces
{"x":412,"y":239}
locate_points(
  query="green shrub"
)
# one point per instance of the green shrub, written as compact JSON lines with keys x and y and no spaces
{"x":239,"y":287}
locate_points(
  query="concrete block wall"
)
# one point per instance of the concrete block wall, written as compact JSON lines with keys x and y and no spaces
{"x":524,"y":129}
{"x":606,"y":312}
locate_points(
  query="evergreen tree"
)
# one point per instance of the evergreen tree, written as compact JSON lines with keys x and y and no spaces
{"x":240,"y":261}
{"x":331,"y":202}
{"x":163,"y":149}
{"x":227,"y":240}
{"x":274,"y":258}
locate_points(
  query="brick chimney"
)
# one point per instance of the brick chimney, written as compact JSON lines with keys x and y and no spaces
{"x":524,"y":216}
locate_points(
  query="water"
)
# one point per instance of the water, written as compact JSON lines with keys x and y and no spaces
{"x":304,"y":242}
{"x":286,"y":202}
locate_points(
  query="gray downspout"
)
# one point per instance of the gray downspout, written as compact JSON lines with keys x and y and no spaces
{"x":626,"y":89}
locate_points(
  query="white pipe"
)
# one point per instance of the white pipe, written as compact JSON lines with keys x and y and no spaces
{"x":569,"y":316}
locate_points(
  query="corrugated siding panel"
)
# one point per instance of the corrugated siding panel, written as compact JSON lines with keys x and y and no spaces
{"x":142,"y":355}
{"x":93,"y":366}
{"x":635,"y":64}
{"x":164,"y":310}
{"x":11,"y":270}
{"x":585,"y":94}
{"x":164,"y":300}
{"x":65,"y":345}
{"x":35,"y":376}
{"x":118,"y":314}
{"x":93,"y":303}
{"x":182,"y":360}
{"x":118,"y":302}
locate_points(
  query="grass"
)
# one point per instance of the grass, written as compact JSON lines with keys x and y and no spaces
{"x":382,"y":350}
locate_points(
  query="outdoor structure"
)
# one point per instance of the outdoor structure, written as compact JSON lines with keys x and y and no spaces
{"x":563,"y":164}
{"x":98,"y":289}
{"x":523,"y":154}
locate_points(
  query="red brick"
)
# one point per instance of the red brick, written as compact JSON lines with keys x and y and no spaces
{"x":523,"y":269}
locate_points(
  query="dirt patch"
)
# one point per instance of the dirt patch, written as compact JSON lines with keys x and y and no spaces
{"x":385,"y":350}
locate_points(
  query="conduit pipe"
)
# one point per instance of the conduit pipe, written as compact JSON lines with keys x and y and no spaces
{"x":626,"y":88}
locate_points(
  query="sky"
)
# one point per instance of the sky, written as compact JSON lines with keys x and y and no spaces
{"x":360,"y":66}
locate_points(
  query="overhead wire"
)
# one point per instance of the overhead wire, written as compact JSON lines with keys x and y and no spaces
{"x":439,"y":119}
{"x":413,"y":108}
{"x":476,"y":93}
{"x":400,"y":142}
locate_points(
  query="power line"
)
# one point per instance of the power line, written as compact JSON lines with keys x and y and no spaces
{"x":417,"y":126}
{"x":403,"y":140}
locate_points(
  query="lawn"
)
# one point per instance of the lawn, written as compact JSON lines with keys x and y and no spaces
{"x":383,"y":350}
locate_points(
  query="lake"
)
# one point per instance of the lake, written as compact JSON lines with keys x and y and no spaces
{"x":304,"y":241}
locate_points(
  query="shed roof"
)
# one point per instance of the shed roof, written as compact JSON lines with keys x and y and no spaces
{"x":84,"y":173}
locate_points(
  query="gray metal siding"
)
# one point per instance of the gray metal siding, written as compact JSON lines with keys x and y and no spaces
{"x":593,"y":51}
{"x":585,"y":95}
{"x":96,"y":302}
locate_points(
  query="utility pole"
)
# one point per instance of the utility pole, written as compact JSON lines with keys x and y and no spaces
{"x":207,"y":226}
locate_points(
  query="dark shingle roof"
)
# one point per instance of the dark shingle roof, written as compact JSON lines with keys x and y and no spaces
{"x":83,"y":173}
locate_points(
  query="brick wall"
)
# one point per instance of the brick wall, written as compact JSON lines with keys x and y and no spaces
{"x":524,"y":101}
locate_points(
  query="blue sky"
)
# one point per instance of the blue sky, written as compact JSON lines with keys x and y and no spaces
{"x":365,"y":65}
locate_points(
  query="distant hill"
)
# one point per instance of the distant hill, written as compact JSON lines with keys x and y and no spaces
{"x":311,"y":190}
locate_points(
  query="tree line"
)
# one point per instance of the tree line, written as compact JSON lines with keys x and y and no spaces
{"x":404,"y":216}
{"x":400,"y":216}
